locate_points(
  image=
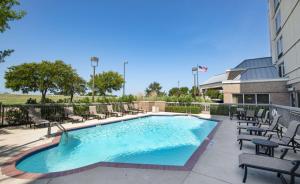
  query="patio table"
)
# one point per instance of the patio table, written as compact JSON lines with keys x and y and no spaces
{"x":256,"y":130}
{"x":267,"y":144}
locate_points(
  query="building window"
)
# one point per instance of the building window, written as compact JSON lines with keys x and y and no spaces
{"x":298,"y":95}
{"x":276,"y":4}
{"x":293,"y":99}
{"x":263,"y":98}
{"x":278,"y":21}
{"x":281,"y":70}
{"x":279,"y":47}
{"x":238,"y":98}
{"x":249,"y":99}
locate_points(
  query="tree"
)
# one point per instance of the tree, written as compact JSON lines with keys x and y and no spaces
{"x":43,"y":77}
{"x":174,"y":92}
{"x":213,"y":94}
{"x":184,"y":91}
{"x":74,"y":85}
{"x":179,"y":91}
{"x":154,"y":89}
{"x":107,"y":82}
{"x":4,"y":54}
{"x":194,"y":91}
{"x":7,"y":14}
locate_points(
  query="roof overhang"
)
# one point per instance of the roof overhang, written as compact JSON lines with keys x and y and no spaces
{"x":254,"y":81}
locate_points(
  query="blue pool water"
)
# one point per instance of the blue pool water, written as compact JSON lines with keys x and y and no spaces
{"x":159,"y":140}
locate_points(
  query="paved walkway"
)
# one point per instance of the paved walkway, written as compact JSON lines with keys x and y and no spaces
{"x":217,"y":165}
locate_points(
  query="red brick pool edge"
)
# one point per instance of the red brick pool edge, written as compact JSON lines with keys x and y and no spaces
{"x":9,"y":168}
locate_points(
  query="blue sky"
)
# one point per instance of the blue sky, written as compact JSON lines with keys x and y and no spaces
{"x":161,"y":39}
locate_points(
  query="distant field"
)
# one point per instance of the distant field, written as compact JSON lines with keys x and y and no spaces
{"x":21,"y":99}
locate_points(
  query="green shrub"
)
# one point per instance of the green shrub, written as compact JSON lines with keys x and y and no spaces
{"x":48,"y":100}
{"x":64,"y":100}
{"x":184,"y":109}
{"x":81,"y":109}
{"x":14,"y":116}
{"x":84,"y":100}
{"x":128,"y":99}
{"x":219,"y":110}
{"x":31,"y":101}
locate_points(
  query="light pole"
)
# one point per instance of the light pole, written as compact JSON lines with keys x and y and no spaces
{"x":195,"y":74}
{"x":124,"y":75}
{"x":94,"y":64}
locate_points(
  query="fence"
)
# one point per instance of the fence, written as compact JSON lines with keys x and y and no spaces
{"x":287,"y":113}
{"x":14,"y":115}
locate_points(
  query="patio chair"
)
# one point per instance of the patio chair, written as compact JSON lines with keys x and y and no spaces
{"x":240,"y":112}
{"x":93,"y":112}
{"x":69,"y":113}
{"x":272,"y":164}
{"x":127,"y":110}
{"x":111,"y":111}
{"x":254,"y":123}
{"x":135,"y":107}
{"x":36,"y":117}
{"x":258,"y":117}
{"x":286,"y":140}
{"x":250,"y":115}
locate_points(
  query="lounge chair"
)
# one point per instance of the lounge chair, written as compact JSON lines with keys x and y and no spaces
{"x":278,"y":165}
{"x":93,"y":112}
{"x":250,"y":115}
{"x":111,"y":111}
{"x":36,"y":117}
{"x":254,"y":123}
{"x":258,"y":117}
{"x":127,"y":110}
{"x":286,"y":140}
{"x":136,"y":108}
{"x":240,"y":112}
{"x":69,"y":113}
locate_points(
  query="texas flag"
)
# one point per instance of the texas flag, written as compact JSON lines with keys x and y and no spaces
{"x":202,"y":69}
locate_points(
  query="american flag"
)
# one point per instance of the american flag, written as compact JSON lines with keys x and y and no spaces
{"x":202,"y":69}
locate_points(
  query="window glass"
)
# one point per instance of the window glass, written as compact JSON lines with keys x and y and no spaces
{"x":278,"y":21}
{"x":249,"y":99}
{"x":279,"y":47}
{"x":281,"y":70}
{"x":276,"y":3}
{"x":298,"y":93}
{"x":237,"y":98}
{"x":293,"y":100}
{"x":263,"y":99}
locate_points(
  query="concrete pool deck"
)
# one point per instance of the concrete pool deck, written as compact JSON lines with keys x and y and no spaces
{"x":217,"y":165}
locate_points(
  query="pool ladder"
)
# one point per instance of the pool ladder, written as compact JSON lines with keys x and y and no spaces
{"x":61,"y":128}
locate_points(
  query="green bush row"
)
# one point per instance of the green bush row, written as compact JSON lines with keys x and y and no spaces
{"x":224,"y":109}
{"x":219,"y":110}
{"x":184,"y":109}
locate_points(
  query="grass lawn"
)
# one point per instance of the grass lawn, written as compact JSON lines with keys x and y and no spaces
{"x":21,"y":99}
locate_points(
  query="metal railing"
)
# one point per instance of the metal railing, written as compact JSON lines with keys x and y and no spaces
{"x":14,"y":115}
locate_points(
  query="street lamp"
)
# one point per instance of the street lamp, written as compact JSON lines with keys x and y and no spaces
{"x":124,"y":69}
{"x":195,"y":74}
{"x":94,"y":64}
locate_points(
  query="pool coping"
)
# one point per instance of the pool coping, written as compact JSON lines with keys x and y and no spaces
{"x":9,"y":167}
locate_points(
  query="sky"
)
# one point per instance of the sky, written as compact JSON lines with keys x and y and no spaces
{"x":161,"y":39}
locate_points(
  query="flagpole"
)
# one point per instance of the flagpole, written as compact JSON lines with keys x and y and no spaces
{"x":197,"y":87}
{"x":194,"y":84}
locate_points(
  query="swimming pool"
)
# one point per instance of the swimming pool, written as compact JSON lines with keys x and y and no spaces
{"x":155,"y":140}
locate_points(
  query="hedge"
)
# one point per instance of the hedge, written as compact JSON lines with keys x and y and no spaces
{"x":219,"y":110}
{"x":184,"y":109}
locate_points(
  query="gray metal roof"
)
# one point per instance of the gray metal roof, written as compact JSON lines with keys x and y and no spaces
{"x":255,"y":63}
{"x":254,"y":69}
{"x":259,"y":74}
{"x":216,"y":79}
